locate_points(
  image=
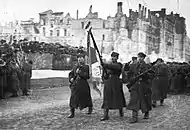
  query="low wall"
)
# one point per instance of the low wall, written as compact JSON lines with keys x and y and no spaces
{"x":49,"y":61}
{"x":41,"y":61}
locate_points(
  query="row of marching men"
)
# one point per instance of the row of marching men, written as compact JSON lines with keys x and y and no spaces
{"x":178,"y":77}
{"x":147,"y":84}
{"x":177,"y":73}
{"x":15,"y":74}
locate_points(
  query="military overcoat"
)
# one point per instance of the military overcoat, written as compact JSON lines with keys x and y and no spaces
{"x":113,"y":95}
{"x":160,"y":82}
{"x":140,"y":92}
{"x":80,"y":90}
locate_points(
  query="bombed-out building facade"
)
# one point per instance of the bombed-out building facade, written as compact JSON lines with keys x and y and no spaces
{"x":153,"y":32}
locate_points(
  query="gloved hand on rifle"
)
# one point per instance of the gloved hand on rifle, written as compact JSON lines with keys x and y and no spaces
{"x":186,"y":77}
{"x":77,"y":71}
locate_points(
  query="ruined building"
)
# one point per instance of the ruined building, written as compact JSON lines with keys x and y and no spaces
{"x":30,"y":29}
{"x":143,"y":30}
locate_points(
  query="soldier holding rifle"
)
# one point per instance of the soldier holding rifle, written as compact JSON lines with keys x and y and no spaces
{"x":140,"y":89}
{"x":80,"y":90}
{"x":113,"y":95}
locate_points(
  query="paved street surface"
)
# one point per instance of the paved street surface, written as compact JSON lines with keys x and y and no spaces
{"x":47,"y":109}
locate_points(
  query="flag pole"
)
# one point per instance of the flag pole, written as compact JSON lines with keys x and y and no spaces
{"x":94,"y":83}
{"x":89,"y":55}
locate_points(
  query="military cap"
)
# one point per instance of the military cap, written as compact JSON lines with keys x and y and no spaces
{"x":134,"y":58}
{"x":30,"y":61}
{"x":80,"y":55}
{"x":114,"y":54}
{"x":159,"y":59}
{"x":141,"y":54}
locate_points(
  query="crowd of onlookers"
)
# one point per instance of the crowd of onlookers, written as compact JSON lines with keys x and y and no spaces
{"x":16,"y":68}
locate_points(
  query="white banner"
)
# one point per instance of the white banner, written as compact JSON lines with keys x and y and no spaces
{"x":96,"y":70}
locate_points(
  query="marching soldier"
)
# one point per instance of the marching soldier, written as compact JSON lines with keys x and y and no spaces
{"x":134,"y":59}
{"x":126,"y":68}
{"x":140,"y":91}
{"x":113,"y":95}
{"x":160,"y":82}
{"x":176,"y":80}
{"x":80,"y":90}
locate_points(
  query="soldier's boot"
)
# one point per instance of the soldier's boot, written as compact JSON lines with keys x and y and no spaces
{"x":2,"y":96}
{"x":121,"y":113}
{"x":161,"y":102}
{"x":154,"y":104}
{"x":72,"y":114}
{"x":90,"y":109}
{"x":14,"y":94}
{"x":106,"y":111}
{"x":146,"y":115}
{"x":134,"y":117}
{"x":25,"y":92}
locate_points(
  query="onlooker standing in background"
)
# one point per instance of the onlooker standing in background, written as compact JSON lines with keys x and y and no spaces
{"x":27,"y":68}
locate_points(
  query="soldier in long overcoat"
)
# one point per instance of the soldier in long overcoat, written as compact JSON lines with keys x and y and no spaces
{"x":30,"y":73}
{"x":2,"y":81}
{"x":113,"y":95}
{"x":140,"y":91}
{"x":160,"y":82}
{"x":126,"y":68}
{"x":80,"y":90}
{"x":27,"y":68}
{"x":176,"y":80}
{"x":13,"y":81}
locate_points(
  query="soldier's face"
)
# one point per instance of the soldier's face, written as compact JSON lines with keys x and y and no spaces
{"x":81,"y":59}
{"x":140,"y":58}
{"x":135,"y":61}
{"x":114,"y":58}
{"x":159,"y":62}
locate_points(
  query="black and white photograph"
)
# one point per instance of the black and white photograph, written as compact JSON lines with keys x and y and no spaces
{"x":94,"y":64}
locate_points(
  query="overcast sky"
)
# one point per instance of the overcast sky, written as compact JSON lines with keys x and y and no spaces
{"x":25,"y":9}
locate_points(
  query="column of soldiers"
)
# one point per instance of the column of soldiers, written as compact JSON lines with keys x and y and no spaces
{"x":148,"y":83}
{"x":178,"y":76}
{"x":15,"y":73}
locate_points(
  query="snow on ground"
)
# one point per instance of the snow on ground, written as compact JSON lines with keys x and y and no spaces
{"x":40,"y":74}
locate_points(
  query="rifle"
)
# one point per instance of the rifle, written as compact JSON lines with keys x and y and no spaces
{"x":105,"y":73}
{"x":75,"y":78}
{"x":125,"y":69}
{"x":136,"y":78}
